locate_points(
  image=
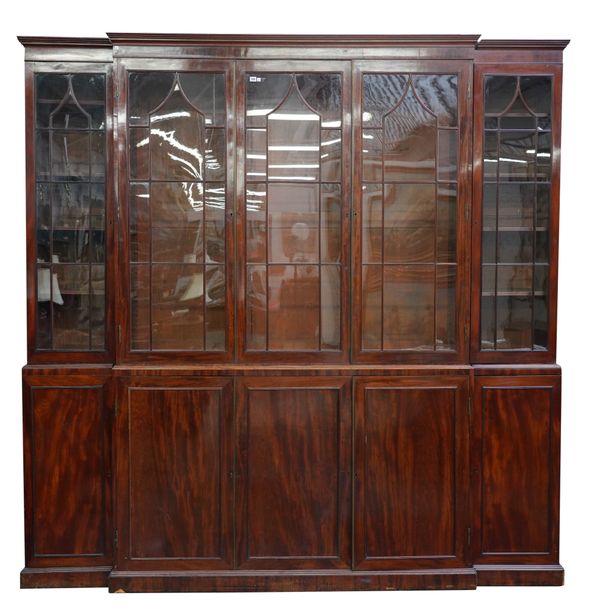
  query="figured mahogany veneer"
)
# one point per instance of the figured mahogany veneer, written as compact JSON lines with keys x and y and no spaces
{"x":292,"y":312}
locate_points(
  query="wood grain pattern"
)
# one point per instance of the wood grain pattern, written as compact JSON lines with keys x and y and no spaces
{"x":67,"y":471}
{"x":516,"y":452}
{"x":410,"y":483}
{"x":293,"y":464}
{"x":176,"y":460}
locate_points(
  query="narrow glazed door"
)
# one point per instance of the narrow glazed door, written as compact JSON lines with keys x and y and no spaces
{"x":411,"y":472}
{"x":175,"y":464}
{"x":293,"y":462}
{"x":293,"y":123}
{"x":515,"y":221}
{"x":411,"y":195}
{"x":69,"y":135}
{"x":176,"y":174}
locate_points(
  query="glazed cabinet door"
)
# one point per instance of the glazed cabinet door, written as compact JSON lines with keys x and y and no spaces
{"x":175,"y":473}
{"x":176,"y":143}
{"x":515,"y":219}
{"x":67,"y":467}
{"x":69,"y":211}
{"x":411,"y":472}
{"x":293,"y":209}
{"x":516,"y":460}
{"x":293,"y":466}
{"x":411,"y":200}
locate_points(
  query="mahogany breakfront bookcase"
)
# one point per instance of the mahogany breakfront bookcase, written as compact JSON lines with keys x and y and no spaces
{"x":292,"y":312}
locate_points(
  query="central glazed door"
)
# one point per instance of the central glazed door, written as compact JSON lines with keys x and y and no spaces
{"x":411,"y":192}
{"x":293,"y":210}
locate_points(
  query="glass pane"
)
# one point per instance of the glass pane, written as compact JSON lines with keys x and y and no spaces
{"x":214,"y":221}
{"x":372,"y":223}
{"x":70,"y":201}
{"x":408,"y":307}
{"x":176,"y":140}
{"x":331,"y":155}
{"x":216,"y":321}
{"x":256,"y":223}
{"x":331,"y":219}
{"x":294,"y":140}
{"x":256,"y":307}
{"x":256,"y":154}
{"x":516,"y":211}
{"x":139,"y":223}
{"x":372,"y":155}
{"x":323,"y":92}
{"x":264,"y":92}
{"x":71,"y":307}
{"x":372,"y":306}
{"x":409,"y":133}
{"x":445,"y":294}
{"x":409,"y":223}
{"x":176,"y":204}
{"x":206,"y":92}
{"x":330,"y":307}
{"x":447,"y":154}
{"x":294,"y":294}
{"x":446,"y":223}
{"x":140,"y":307}
{"x":439,"y":92}
{"x":139,"y":154}
{"x":293,"y":223}
{"x":381,"y":92}
{"x":146,"y":91}
{"x":177,"y":306}
{"x":214,"y":151}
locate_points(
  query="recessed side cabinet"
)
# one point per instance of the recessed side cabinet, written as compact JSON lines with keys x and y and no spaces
{"x":291,"y":312}
{"x":67,"y":467}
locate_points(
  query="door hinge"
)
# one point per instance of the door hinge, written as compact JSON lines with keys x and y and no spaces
{"x":468,"y":89}
{"x":469,"y":537}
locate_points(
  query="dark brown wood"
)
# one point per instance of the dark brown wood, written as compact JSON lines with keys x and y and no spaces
{"x":67,"y":470}
{"x":411,"y":465}
{"x":293,"y":468}
{"x":284,"y":470}
{"x":515,"y":475}
{"x":175,"y":474}
{"x":304,"y":580}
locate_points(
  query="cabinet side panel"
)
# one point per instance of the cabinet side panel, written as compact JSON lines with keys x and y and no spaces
{"x":67,"y":462}
{"x":517,"y":422}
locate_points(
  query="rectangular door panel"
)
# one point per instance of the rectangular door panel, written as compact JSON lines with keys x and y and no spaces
{"x":293,"y":467}
{"x":175,"y":452}
{"x":516,"y":452}
{"x":410,"y":472}
{"x":67,"y":470}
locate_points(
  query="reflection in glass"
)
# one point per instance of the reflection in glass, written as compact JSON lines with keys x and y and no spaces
{"x":177,"y":200}
{"x":516,"y":212}
{"x":70,"y":211}
{"x":293,"y":216}
{"x":409,"y":216}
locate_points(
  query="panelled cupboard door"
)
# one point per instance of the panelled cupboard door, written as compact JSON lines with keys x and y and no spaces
{"x":411,"y":192}
{"x":176,"y":143}
{"x":67,"y":464}
{"x":516,"y":460}
{"x":175,"y":464}
{"x":293,"y":178}
{"x":293,"y":466}
{"x":516,"y":159}
{"x":411,"y":472}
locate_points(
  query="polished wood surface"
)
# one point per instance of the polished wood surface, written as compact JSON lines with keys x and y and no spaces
{"x":175,"y":462}
{"x":321,"y":416}
{"x":516,"y":447}
{"x":293,"y":467}
{"x":67,"y":470}
{"x":411,"y":444}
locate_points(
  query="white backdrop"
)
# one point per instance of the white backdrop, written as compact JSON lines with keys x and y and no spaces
{"x":578,"y":311}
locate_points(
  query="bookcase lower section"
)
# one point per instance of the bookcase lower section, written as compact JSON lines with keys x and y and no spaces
{"x":342,"y":478}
